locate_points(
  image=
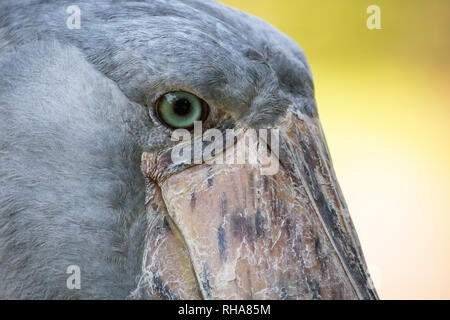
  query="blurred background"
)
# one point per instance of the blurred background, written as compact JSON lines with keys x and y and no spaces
{"x":384,"y":102}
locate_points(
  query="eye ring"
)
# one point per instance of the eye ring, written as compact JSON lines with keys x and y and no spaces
{"x":180,"y":109}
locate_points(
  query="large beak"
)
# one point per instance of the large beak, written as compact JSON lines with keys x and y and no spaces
{"x":228,"y":231}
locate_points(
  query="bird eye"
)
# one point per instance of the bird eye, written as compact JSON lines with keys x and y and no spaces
{"x":181,"y":109}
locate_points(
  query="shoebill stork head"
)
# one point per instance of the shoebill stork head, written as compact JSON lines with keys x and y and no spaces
{"x":87,"y":176}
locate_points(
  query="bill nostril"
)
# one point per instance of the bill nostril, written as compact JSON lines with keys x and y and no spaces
{"x":151,"y":167}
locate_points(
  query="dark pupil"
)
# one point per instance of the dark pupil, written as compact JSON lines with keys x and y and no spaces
{"x":182,"y":107}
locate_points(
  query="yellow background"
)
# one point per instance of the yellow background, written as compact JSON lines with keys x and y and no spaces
{"x":383,"y":98}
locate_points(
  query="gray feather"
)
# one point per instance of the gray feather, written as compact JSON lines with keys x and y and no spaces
{"x":71,"y":192}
